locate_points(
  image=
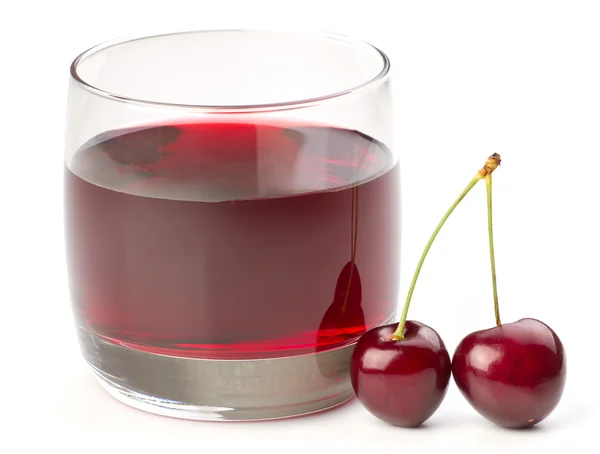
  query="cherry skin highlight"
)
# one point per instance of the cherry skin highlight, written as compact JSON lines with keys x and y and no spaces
{"x":513,"y":374}
{"x":402,"y":382}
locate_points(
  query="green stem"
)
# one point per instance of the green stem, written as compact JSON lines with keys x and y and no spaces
{"x":490,"y":165}
{"x":488,"y":186}
{"x":399,"y":333}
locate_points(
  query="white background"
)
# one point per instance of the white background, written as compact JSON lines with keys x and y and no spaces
{"x":521,"y":78}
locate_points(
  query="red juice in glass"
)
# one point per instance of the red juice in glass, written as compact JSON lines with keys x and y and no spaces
{"x":232,"y":240}
{"x":232,"y":218}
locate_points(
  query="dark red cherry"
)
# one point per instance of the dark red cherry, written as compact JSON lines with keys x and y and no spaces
{"x":403,"y":381}
{"x":513,"y":374}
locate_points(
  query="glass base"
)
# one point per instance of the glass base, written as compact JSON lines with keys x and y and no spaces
{"x":224,"y":390}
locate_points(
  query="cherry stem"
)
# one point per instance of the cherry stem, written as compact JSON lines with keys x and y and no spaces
{"x":491,"y":164}
{"x":399,"y":333}
{"x":488,"y":187}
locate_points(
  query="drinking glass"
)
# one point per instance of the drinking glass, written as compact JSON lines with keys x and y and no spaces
{"x":232,"y":218}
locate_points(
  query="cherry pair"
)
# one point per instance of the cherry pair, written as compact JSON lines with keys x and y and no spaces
{"x":512,"y":374}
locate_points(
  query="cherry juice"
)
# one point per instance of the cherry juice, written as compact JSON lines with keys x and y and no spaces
{"x":232,"y":240}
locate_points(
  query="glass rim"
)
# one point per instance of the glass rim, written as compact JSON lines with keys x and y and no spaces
{"x":242,"y":108}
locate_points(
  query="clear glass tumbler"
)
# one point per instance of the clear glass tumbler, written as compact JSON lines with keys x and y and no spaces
{"x":232,"y":218}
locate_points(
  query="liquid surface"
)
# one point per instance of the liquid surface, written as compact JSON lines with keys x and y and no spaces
{"x":221,"y":240}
